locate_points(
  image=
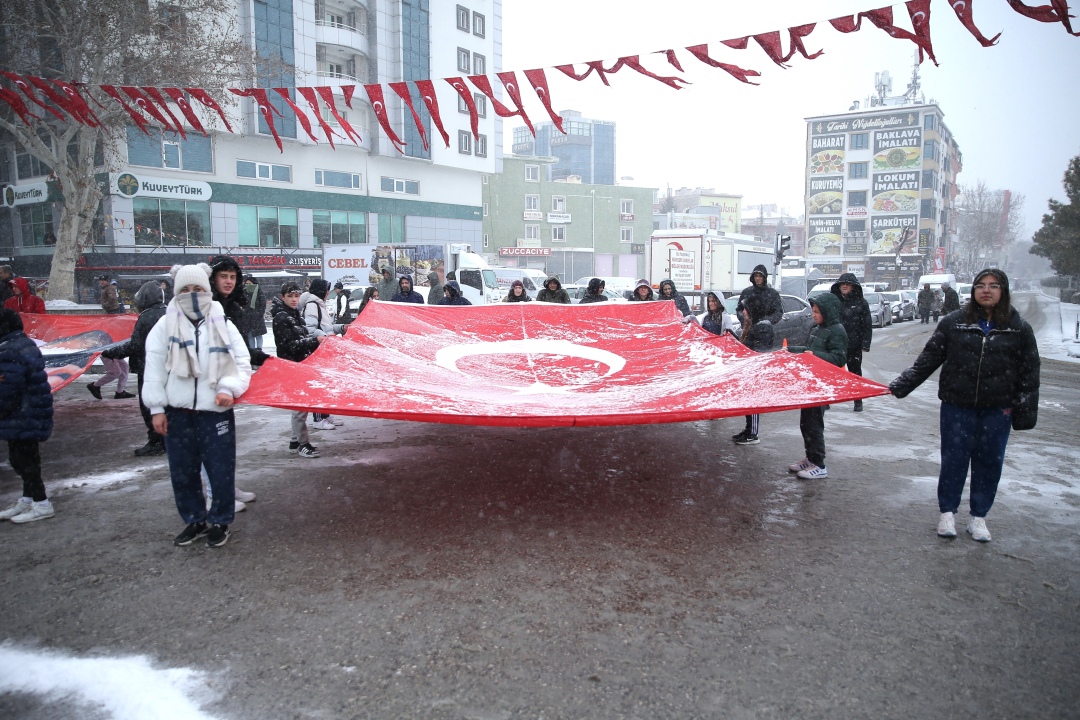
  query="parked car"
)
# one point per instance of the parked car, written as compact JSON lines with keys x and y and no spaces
{"x":794,"y":327}
{"x":902,"y":308}
{"x":576,"y":292}
{"x":963,"y":291}
{"x":880,"y":310}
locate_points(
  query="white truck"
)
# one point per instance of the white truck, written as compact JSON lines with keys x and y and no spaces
{"x":362,"y":265}
{"x":700,"y":261}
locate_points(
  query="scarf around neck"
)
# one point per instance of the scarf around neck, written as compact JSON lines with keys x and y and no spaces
{"x":184,"y":314}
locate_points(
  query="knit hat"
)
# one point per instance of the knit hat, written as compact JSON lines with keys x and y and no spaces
{"x":517,"y":283}
{"x":184,"y":275}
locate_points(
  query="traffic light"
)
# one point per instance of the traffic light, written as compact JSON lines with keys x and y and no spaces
{"x":783,"y":244}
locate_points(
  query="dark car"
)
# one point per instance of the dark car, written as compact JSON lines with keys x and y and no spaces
{"x":794,"y":327}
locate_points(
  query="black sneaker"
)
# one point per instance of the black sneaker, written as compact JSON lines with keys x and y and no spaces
{"x":858,"y":406}
{"x":219,"y":535}
{"x":294,"y":445}
{"x":125,"y":395}
{"x":308,"y":450}
{"x":150,"y":448}
{"x":739,"y":436}
{"x":747,"y":439}
{"x":190,"y":534}
{"x":94,"y":390}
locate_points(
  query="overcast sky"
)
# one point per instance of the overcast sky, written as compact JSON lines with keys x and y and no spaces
{"x":1014,"y":108}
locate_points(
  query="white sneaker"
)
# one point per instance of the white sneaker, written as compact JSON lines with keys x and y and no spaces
{"x":801,"y":465}
{"x":40,"y":511}
{"x":239,"y":506}
{"x":243,"y":496}
{"x":324,"y":425}
{"x":337,"y":422}
{"x":946,"y":526}
{"x":976,"y":528}
{"x":812,"y":472}
{"x":18,"y":508}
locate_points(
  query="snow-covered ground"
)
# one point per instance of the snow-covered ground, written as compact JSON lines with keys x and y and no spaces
{"x":1058,"y":341}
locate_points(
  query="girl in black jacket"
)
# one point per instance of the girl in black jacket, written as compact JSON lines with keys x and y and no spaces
{"x":989,"y":385}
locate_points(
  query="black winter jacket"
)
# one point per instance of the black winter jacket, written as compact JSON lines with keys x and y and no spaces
{"x":26,"y":405}
{"x":680,"y":301}
{"x":558,"y":295}
{"x":290,"y":334}
{"x":592,"y":293}
{"x":772,"y":309}
{"x":854,"y":314}
{"x":995,"y":370}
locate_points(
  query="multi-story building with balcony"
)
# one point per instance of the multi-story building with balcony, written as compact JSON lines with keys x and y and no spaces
{"x":172,"y":199}
{"x":585,"y":151}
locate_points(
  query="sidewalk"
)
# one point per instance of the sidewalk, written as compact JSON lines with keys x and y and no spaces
{"x":1070,"y":328}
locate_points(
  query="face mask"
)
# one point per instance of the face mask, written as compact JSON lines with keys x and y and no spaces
{"x":196,"y":306}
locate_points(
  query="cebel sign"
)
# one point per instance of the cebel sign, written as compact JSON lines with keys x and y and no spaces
{"x":15,"y":195}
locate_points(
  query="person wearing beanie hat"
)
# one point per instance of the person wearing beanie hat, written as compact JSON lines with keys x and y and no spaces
{"x":197,"y":364}
{"x":28,"y":418}
{"x":517,"y":293}
{"x":988,"y":386}
{"x":294,"y":343}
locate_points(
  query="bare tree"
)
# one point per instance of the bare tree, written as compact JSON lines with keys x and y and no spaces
{"x":989,"y":222}
{"x":181,"y":43}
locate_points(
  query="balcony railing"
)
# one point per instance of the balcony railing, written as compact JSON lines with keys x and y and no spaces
{"x":337,"y":76}
{"x":342,"y":26}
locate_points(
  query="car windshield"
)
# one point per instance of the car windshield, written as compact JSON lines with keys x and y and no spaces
{"x":731,"y":303}
{"x":872,"y":298}
{"x":892,"y":296}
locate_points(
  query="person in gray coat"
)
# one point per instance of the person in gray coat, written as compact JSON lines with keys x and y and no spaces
{"x":435,"y":291}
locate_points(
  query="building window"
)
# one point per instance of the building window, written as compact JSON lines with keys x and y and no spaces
{"x":396,"y":185}
{"x":478,"y":25}
{"x":481,"y":146}
{"x":464,"y":142}
{"x":626,"y":207}
{"x":532,"y":232}
{"x":391,"y":228}
{"x":270,"y":227}
{"x":626,"y":234}
{"x":338,"y":227}
{"x":930,"y":150}
{"x":558,"y":233}
{"x":28,"y":166}
{"x":928,"y":210}
{"x":462,"y":106}
{"x":263,"y":171}
{"x":171,"y":222}
{"x":166,"y":149}
{"x":860,"y":141}
{"x":479,"y":64}
{"x":481,"y":104}
{"x":929,"y":179}
{"x":485,"y":209}
{"x":558,"y":203}
{"x":37,"y":223}
{"x":857,"y":170}
{"x":462,"y":18}
{"x":464,"y":60}
{"x":532,"y":173}
{"x":856,"y":225}
{"x":856,"y":198}
{"x":332,"y":178}
{"x":930,"y":122}
{"x":532,"y":202}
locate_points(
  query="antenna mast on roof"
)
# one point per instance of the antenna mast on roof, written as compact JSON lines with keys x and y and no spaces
{"x":914,"y":86}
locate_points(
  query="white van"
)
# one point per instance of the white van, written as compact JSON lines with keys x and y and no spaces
{"x":936,"y":280}
{"x":531,"y":278}
{"x":622,"y":285}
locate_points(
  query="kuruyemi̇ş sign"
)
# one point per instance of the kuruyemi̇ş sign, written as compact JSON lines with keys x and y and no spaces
{"x":538,"y":365}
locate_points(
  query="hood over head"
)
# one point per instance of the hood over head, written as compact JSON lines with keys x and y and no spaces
{"x":453,"y":288}
{"x":715,"y":297}
{"x":553,"y":279}
{"x":228,"y":262}
{"x":517,"y":283}
{"x":20,"y":282}
{"x":828,"y":304}
{"x":150,"y":294}
{"x":594,"y":286}
{"x":754,"y":305}
{"x":760,"y":270}
{"x":433,"y":278}
{"x":856,"y":287}
{"x":668,"y":283}
{"x":9,"y":322}
{"x":402,"y":282}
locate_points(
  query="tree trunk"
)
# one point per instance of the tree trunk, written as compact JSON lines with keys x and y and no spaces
{"x":76,"y":221}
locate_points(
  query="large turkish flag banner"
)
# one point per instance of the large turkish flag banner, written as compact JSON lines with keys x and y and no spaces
{"x":537,"y":365}
{"x":71,"y":343}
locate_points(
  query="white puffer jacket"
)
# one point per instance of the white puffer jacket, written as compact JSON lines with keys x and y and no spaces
{"x":162,"y":389}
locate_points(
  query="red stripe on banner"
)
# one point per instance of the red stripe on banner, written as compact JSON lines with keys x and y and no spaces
{"x":509,"y":81}
{"x":327,"y":94}
{"x":63,"y":101}
{"x":136,"y":118}
{"x":463,"y":90}
{"x":378,"y":104}
{"x":17,"y":105}
{"x":28,"y":91}
{"x":701,"y":52}
{"x":73,"y":342}
{"x":181,"y":101}
{"x":203,"y":97}
{"x":431,"y":102}
{"x":155,"y":95}
{"x":267,"y":110}
{"x":145,"y":105}
{"x":538,"y":80}
{"x":300,"y":116}
{"x":313,"y":104}
{"x":402,"y":90}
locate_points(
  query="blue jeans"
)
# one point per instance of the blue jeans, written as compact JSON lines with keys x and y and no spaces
{"x":199,"y":439}
{"x":974,"y":437}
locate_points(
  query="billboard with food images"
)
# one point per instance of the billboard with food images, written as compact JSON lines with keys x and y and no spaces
{"x":887,"y":230}
{"x":898,"y":149}
{"x":823,"y":236}
{"x":826,"y":195}
{"x":895,"y":192}
{"x":827,"y":154}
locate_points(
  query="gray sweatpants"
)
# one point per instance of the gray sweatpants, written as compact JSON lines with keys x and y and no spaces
{"x":299,"y":426}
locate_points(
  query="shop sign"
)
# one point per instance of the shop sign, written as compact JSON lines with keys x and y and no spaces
{"x":130,"y":185}
{"x":626,"y":217}
{"x":528,"y":242}
{"x":524,"y":251}
{"x":859,"y":123}
{"x":533,"y":215}
{"x":15,"y":195}
{"x":559,"y":218}
{"x":637,"y":248}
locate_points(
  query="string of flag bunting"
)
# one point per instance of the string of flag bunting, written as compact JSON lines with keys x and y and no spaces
{"x":70,"y":101}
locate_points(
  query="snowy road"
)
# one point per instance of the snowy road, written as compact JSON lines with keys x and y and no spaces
{"x":426,"y":571}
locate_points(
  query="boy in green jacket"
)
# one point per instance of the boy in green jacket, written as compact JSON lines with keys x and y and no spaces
{"x":828,"y":340}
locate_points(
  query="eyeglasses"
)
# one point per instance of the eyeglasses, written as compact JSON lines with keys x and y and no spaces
{"x":991,"y":286}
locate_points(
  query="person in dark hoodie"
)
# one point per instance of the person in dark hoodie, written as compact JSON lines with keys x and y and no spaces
{"x":643,"y":293}
{"x":668,"y":291}
{"x":828,"y":341}
{"x":294,"y":343}
{"x":517,"y":293}
{"x":435,"y":288}
{"x":772,"y":308}
{"x":406,"y":293}
{"x":594,"y":293}
{"x":227,"y":287}
{"x":26,"y":416}
{"x":758,"y":336}
{"x":553,"y":292}
{"x":452,"y":293}
{"x":387,"y":287}
{"x":151,"y":301}
{"x":989,"y":385}
{"x":857,"y":322}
